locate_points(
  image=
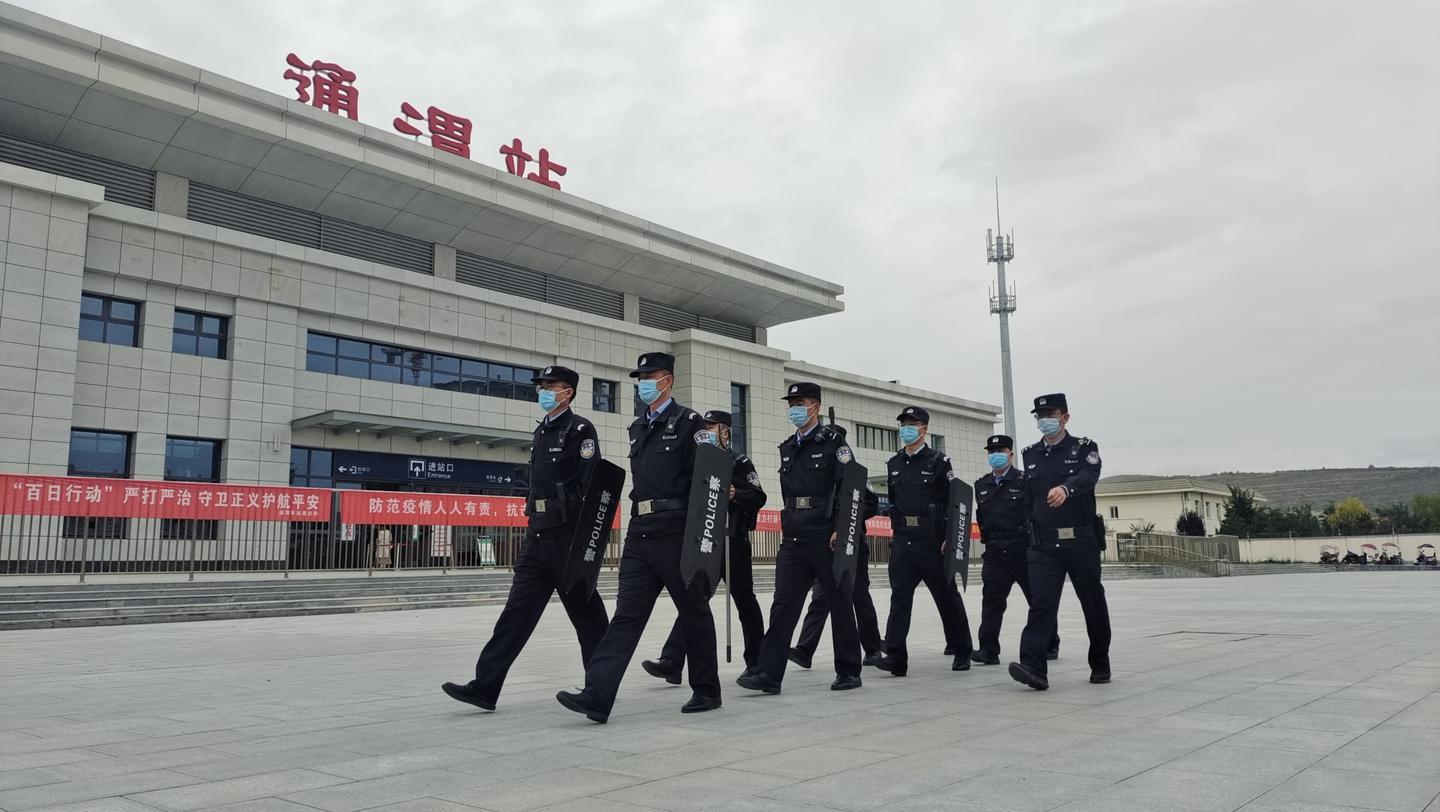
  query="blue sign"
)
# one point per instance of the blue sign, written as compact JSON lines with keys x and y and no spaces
{"x":415,"y":468}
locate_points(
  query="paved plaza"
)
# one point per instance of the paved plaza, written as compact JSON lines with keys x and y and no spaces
{"x":1281,"y":692}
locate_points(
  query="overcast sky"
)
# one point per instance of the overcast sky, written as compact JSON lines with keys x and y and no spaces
{"x":1226,"y":214}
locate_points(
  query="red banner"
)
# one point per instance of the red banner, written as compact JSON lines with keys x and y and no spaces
{"x":878,"y":527}
{"x":22,"y":495}
{"x":455,"y":509}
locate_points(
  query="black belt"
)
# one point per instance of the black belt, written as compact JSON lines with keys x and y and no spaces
{"x":806,"y":502}
{"x":648,"y":506}
{"x":912,"y":521}
{"x":1064,"y":533}
{"x":540,"y":507}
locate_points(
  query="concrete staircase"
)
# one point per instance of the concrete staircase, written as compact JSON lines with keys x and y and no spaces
{"x":42,"y":606}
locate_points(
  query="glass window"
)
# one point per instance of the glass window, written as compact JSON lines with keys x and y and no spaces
{"x":99,"y":453}
{"x":109,"y":320}
{"x":937,"y":442}
{"x":739,"y":394}
{"x":192,"y":460}
{"x":1114,"y":511}
{"x":334,"y":355}
{"x":319,"y":342}
{"x":605,"y":395}
{"x":199,"y":334}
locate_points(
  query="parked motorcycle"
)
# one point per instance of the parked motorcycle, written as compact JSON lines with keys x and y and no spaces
{"x":1425,"y":556}
{"x":1329,"y":554}
{"x":1352,"y":557}
{"x":1390,"y":554}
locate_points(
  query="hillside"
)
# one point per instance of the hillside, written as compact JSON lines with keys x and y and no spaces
{"x":1376,"y":487}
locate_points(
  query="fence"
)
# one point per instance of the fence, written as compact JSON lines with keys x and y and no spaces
{"x":83,"y":526}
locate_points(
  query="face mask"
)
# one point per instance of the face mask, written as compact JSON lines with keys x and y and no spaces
{"x":1049,"y":426}
{"x":909,"y":434}
{"x":548,"y":400}
{"x":998,"y":459}
{"x":799,"y":415}
{"x":649,"y":392}
{"x":712,"y":438}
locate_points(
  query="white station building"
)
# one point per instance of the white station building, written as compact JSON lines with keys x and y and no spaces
{"x":209,"y":281}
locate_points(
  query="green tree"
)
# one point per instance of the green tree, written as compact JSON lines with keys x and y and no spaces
{"x":1299,"y":520}
{"x":1394,"y":519}
{"x":1243,"y":517}
{"x":1351,"y":518}
{"x":1425,"y":510}
{"x":1190,"y":523}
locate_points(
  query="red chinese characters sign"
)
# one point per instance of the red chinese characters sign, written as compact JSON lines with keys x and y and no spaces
{"x":22,"y":495}
{"x":329,"y":86}
{"x":877,"y":527}
{"x":463,"y":510}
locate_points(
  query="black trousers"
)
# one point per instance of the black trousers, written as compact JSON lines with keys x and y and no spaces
{"x":539,"y":569}
{"x":798,"y":566}
{"x":741,"y":585}
{"x":866,"y":621}
{"x":1001,"y":569}
{"x":1049,"y":564}
{"x":647,"y":566}
{"x":913,"y":563}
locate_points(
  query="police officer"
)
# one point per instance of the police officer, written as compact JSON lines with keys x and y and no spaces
{"x":812,"y":469}
{"x":563,"y":454}
{"x":1001,"y":509}
{"x":918,"y":478}
{"x":662,"y":459}
{"x":746,"y":499}
{"x":866,"y":621}
{"x":1060,"y":475}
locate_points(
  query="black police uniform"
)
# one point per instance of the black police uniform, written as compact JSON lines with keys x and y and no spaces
{"x":867,"y":623}
{"x":1002,"y":511}
{"x":745,"y":508}
{"x":1063,"y":542}
{"x":662,"y":459}
{"x":563,"y":454}
{"x":812,"y":469}
{"x":919,"y":490}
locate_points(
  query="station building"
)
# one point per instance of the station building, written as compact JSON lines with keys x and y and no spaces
{"x":205,"y":280}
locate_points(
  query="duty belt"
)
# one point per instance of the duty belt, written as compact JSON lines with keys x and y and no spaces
{"x":1064,"y":533}
{"x":540,"y":507}
{"x":648,"y":506}
{"x":914,"y":521}
{"x":806,"y":502}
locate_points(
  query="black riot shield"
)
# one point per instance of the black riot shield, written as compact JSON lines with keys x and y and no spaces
{"x":592,"y":529}
{"x":707,"y":520}
{"x":957,"y":532}
{"x":849,"y":522}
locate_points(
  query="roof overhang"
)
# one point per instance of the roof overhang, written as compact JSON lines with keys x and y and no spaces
{"x":388,"y":426}
{"x":71,"y":88}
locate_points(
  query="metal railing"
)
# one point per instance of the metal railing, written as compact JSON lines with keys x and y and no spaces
{"x":1140,"y":552}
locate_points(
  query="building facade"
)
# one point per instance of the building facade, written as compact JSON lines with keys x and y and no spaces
{"x":208,"y":281}
{"x":1130,"y":504}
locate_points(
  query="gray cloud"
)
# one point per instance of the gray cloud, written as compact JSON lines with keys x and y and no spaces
{"x":1225,"y":212}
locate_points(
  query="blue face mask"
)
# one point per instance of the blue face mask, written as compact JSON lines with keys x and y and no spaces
{"x":909,"y":434}
{"x":548,"y":400}
{"x":1049,"y":426}
{"x":799,"y":415}
{"x":998,"y":459}
{"x":649,"y":392}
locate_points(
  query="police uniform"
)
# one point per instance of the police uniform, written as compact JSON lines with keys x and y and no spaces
{"x":739,"y":579}
{"x":867,"y":623}
{"x":919,"y":491}
{"x":1002,"y":511}
{"x":1063,"y":541}
{"x":662,"y":459}
{"x":563,"y":454}
{"x":812,"y":469}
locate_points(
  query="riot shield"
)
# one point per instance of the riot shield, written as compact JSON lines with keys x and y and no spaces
{"x":592,"y":529}
{"x":707,"y":519}
{"x":849,"y":522}
{"x":957,"y":532}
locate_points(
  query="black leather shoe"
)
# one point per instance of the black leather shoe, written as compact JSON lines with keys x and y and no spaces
{"x":873,"y":660}
{"x":845,"y":683}
{"x":1099,"y":677}
{"x":949,"y":651}
{"x":961,"y":663}
{"x":663,"y":669}
{"x":1021,"y":674}
{"x":799,"y":658}
{"x":891,"y":666}
{"x":464,"y":693}
{"x":759,"y":681}
{"x":579,"y":702}
{"x":982,"y":658}
{"x":700,"y":704}
{"x":1053,"y":654}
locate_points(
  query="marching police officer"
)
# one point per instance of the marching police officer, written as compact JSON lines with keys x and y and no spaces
{"x":812,"y":470}
{"x":919,"y":487}
{"x":746,"y":500}
{"x":1001,"y":509}
{"x":866,"y":621}
{"x":563,"y":454}
{"x":662,"y":459}
{"x":1060,"y":476}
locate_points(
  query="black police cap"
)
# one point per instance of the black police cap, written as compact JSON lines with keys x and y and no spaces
{"x":564,"y":375}
{"x":999,"y":441}
{"x":654,"y":362}
{"x":717,"y":416}
{"x":1046,"y":402}
{"x":914,"y":413}
{"x":804,"y":389}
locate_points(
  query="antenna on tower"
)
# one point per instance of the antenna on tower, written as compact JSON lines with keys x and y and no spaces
{"x":999,"y":249}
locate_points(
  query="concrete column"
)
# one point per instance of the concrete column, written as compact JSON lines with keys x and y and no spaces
{"x":444,"y":261}
{"x":762,"y":336}
{"x":632,"y":308}
{"x":172,"y":195}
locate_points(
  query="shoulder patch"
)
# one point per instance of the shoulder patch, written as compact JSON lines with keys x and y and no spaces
{"x":1030,"y":447}
{"x":1093,"y":458}
{"x":743,"y":458}
{"x":1084,"y":441}
{"x":753,"y":478}
{"x":702,"y":437}
{"x":587,"y":449}
{"x":843,"y":453}
{"x":950,"y":474}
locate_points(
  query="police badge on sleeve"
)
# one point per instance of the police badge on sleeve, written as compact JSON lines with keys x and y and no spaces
{"x":753,"y":478}
{"x":843,"y":454}
{"x":1093,"y":458}
{"x":587,"y":449}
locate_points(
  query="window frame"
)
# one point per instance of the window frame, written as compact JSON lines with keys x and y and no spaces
{"x":197,"y":333}
{"x":107,"y":320}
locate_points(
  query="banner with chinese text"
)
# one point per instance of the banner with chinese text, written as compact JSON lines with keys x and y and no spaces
{"x":22,"y":495}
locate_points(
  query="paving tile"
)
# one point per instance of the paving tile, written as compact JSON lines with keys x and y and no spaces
{"x":1353,"y":788}
{"x":233,"y":790}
